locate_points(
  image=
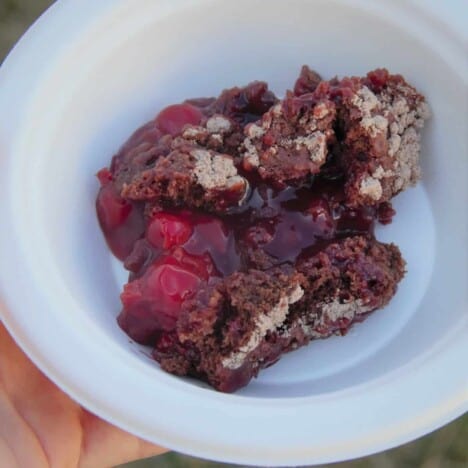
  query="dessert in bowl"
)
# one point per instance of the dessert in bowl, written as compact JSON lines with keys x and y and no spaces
{"x":247,"y":222}
{"x":107,"y":71}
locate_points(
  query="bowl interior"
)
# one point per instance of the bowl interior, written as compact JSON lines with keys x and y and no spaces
{"x":119,"y":76}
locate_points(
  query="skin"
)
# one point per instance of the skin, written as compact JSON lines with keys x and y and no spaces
{"x":40,"y":426}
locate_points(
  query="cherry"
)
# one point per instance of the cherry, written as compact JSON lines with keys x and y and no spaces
{"x":170,"y":284}
{"x":166,"y":230}
{"x":212,"y":238}
{"x":200,"y":265}
{"x":104,"y":176}
{"x":148,"y":133}
{"x":173,"y":118}
{"x":120,"y":220}
{"x":201,"y":236}
{"x":153,"y":302}
{"x":112,"y":209}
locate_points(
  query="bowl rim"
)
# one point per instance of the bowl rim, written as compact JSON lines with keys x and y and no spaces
{"x":450,"y":401}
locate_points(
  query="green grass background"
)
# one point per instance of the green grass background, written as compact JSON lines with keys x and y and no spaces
{"x":445,"y":448}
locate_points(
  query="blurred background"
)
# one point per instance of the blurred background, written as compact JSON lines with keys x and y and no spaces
{"x":445,"y":448}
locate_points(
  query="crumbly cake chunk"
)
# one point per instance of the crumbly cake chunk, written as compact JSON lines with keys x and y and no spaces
{"x":208,"y":118}
{"x":382,"y":117}
{"x":226,"y":327}
{"x":192,"y":177}
{"x":236,"y":327}
{"x":243,"y":104}
{"x":290,"y":142}
{"x":131,"y":160}
{"x":347,"y":280}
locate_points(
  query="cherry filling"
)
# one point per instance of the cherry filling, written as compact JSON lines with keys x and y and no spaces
{"x":172,"y":119}
{"x":152,"y":302}
{"x":121,"y":221}
{"x":171,"y":255}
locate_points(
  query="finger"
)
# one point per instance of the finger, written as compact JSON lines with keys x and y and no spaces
{"x":51,"y":420}
{"x":19,"y":445}
{"x":65,"y":432}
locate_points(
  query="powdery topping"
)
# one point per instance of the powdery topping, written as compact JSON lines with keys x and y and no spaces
{"x":393,"y":116}
{"x":371,"y":187}
{"x":405,"y":142}
{"x":330,"y":312}
{"x":264,"y":324}
{"x":211,"y":134}
{"x":406,"y":163}
{"x":305,"y":323}
{"x":215,"y":171}
{"x":369,"y":106}
{"x":217,"y":137}
{"x":316,"y":144}
{"x":375,"y":125}
{"x":193,"y":132}
{"x":296,"y":295}
{"x":251,"y":157}
{"x":254,"y":131}
{"x":404,"y":137}
{"x":366,"y":101}
{"x":277,"y":110}
{"x":336,"y":310}
{"x":321,"y":111}
{"x":311,"y":138}
{"x":218,"y":124}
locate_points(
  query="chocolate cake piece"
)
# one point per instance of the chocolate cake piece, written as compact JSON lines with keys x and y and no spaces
{"x":239,"y":325}
{"x":290,"y":142}
{"x":346,"y":281}
{"x":243,"y":104}
{"x":222,"y":335}
{"x":379,"y":118}
{"x":213,"y":123}
{"x":131,"y":160}
{"x":190,"y":176}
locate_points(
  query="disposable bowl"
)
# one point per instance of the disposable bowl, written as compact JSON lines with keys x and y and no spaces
{"x":75,"y":87}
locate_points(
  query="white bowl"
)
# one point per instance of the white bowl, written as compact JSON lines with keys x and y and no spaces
{"x":86,"y":75}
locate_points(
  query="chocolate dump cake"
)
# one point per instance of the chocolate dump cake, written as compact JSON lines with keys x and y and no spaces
{"x":246,"y":221}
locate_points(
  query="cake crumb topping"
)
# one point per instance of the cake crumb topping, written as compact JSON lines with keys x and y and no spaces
{"x":388,"y":121}
{"x":264,"y":324}
{"x":290,"y":142}
{"x":214,"y":170}
{"x":335,"y":310}
{"x":218,"y":124}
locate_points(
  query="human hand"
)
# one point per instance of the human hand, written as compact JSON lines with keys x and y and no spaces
{"x":40,"y":426}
